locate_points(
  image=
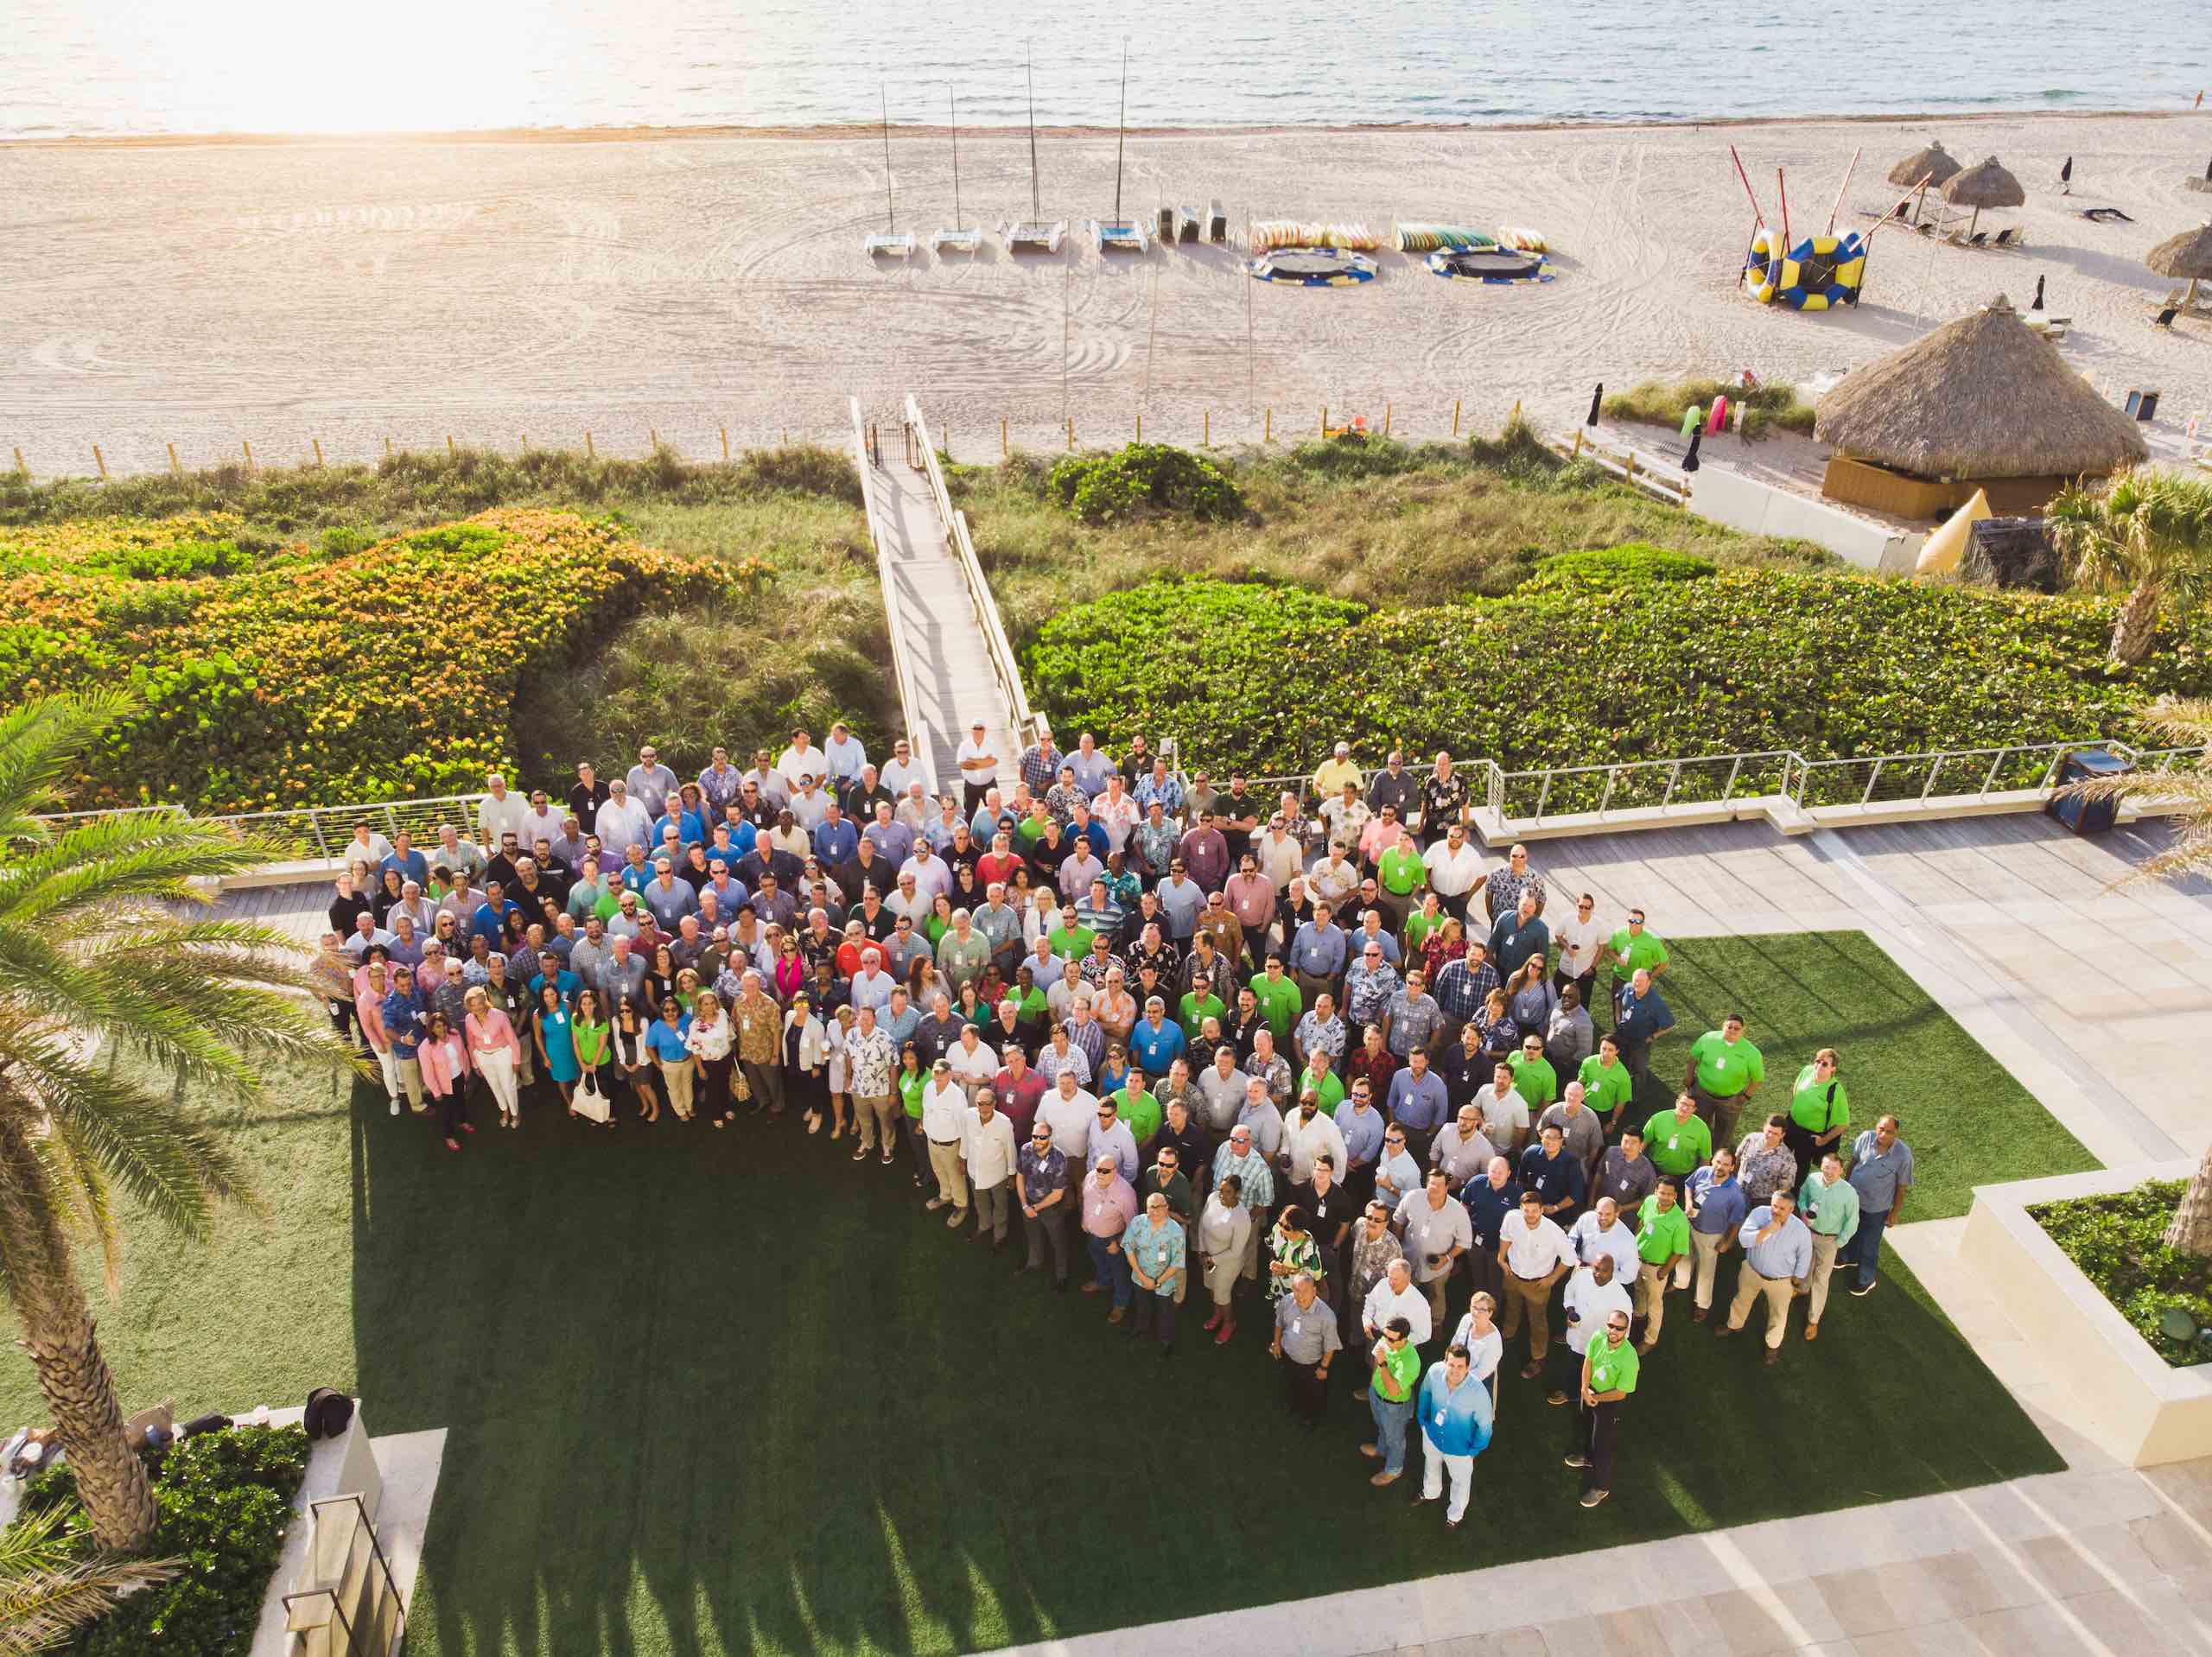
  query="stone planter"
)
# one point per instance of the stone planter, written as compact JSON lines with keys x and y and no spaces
{"x":2142,"y":1410}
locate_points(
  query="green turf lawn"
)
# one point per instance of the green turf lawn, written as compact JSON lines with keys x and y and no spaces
{"x":724,"y":1392}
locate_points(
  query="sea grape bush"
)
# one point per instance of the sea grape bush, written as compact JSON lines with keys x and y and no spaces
{"x":1657,"y":660}
{"x":321,"y":673}
{"x":1144,"y":479}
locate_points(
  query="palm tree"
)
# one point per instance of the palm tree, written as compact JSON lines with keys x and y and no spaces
{"x":2147,"y":534}
{"x":49,"y":1590}
{"x":2185,"y":795}
{"x":102,"y":960}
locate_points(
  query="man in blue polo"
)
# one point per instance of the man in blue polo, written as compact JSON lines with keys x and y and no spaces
{"x":1455,"y":1427}
{"x":1155,"y":1040}
{"x":1418,"y":1103}
{"x":1778,"y":1256}
{"x":1881,"y":1172}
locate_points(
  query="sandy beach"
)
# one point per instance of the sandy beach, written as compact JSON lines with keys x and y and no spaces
{"x":212,"y":293}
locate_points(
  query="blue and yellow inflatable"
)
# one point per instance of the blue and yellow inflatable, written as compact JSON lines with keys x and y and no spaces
{"x":1818,"y":274}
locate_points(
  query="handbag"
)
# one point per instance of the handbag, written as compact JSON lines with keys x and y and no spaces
{"x":591,"y":1104}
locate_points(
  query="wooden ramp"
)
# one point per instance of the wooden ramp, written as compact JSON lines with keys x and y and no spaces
{"x":952,"y":660}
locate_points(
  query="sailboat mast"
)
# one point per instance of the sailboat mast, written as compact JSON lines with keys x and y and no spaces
{"x":1030,"y":69}
{"x":890,"y":214}
{"x":1121,"y":137}
{"x":952,"y":105}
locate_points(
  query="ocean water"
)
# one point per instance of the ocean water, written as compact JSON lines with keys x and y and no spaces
{"x":147,"y":67}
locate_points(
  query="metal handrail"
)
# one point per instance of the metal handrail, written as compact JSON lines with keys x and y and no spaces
{"x":1020,"y":721}
{"x":909,"y":700}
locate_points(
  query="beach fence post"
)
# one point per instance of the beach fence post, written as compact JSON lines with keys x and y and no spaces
{"x":1386,"y":420}
{"x":1070,"y":433}
{"x":725,"y":443}
{"x":1140,"y":425}
{"x":20,"y":467}
{"x":1206,"y":431}
{"x":317,"y":442}
{"x":1514,"y":419}
{"x":1005,"y":449}
{"x":450,"y":452}
{"x":1268,"y":433}
{"x":1455,"y":416}
{"x":249,"y":454}
{"x":590,"y":454}
{"x":1324,"y":420}
{"x":1578,"y":442}
{"x":99,"y":460}
{"x":174,"y":469}
{"x":387,"y":449}
{"x":653,"y":437}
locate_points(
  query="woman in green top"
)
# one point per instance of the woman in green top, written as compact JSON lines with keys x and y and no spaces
{"x":1295,"y":1251}
{"x":912,"y":1078}
{"x":1425,"y":920}
{"x":971,"y":1010}
{"x":940,"y":920}
{"x":1820,"y":1109}
{"x":594,"y":1036}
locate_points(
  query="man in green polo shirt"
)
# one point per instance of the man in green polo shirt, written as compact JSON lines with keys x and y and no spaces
{"x":1534,"y":1079}
{"x":1070,"y":938}
{"x":1609,"y":1372}
{"x":1662,"y":1239}
{"x":1677,"y":1140}
{"x":1321,"y":1081}
{"x":1195,"y":1009}
{"x":1725,"y":1070}
{"x":1281,"y":1003}
{"x":1633,"y":950}
{"x":1140,"y":1108}
{"x":1607,"y":1086}
{"x":1401,"y":873}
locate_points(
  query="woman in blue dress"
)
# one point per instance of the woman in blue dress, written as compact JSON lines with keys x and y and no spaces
{"x":557,"y":1043}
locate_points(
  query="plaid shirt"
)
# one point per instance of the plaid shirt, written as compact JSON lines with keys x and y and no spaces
{"x":1040,"y":769}
{"x":1462,"y":989}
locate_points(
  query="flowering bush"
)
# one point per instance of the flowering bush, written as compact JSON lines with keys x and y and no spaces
{"x":317,"y":674}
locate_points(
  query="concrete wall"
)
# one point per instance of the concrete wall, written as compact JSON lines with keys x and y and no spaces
{"x":1746,"y":503}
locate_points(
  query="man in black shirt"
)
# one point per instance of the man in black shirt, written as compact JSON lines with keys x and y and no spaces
{"x":587,"y":796}
{"x":860,"y":796}
{"x":352,"y":900}
{"x":1395,"y":787}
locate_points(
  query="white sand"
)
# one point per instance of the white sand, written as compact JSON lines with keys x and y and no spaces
{"x":207,"y":293}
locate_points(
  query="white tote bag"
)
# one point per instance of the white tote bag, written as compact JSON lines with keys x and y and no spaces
{"x":591,"y":1104}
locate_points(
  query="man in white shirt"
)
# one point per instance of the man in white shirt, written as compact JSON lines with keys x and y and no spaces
{"x":810,"y":806}
{"x":371,"y":847}
{"x":1581,"y":941}
{"x":899,"y":770}
{"x":929,"y":877}
{"x":1395,"y":1297}
{"x":1594,"y":1293}
{"x":1308,"y":1132}
{"x":973,"y":1062}
{"x":1453,"y":867}
{"x":1505,"y":1113}
{"x":623,"y":822}
{"x":1536,"y":1254}
{"x":1222,"y":1090}
{"x":987,"y":1152}
{"x":543,"y":820}
{"x":944,"y":1124}
{"x":801,"y":759}
{"x":1117,"y":814}
{"x":1601,"y":1232}
{"x":1436,"y":1232}
{"x":501,"y":813}
{"x":843,"y":754}
{"x":1071,"y":1109}
{"x":979,"y":766}
{"x":1281,"y":858}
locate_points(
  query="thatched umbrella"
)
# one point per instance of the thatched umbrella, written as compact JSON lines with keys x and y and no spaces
{"x":1984,"y":396}
{"x":2186,"y":256}
{"x":1932,"y":165}
{"x":1983,"y":185}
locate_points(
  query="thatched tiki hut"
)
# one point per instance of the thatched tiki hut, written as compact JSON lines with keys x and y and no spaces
{"x":1933,"y":166}
{"x":1983,"y":402}
{"x":2186,"y":257}
{"x":1986,"y":184}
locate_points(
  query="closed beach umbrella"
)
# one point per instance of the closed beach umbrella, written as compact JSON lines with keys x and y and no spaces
{"x":1983,"y":185}
{"x":2187,"y":257}
{"x":1596,"y":398}
{"x":1932,"y":165}
{"x":2037,"y":305}
{"x":1689,"y":461}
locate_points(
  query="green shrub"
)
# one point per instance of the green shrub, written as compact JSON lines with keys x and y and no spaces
{"x":1145,"y":480}
{"x":1264,"y":678}
{"x":2118,"y":1241}
{"x":1347,"y":456}
{"x":225,"y":1503}
{"x":1626,"y":565}
{"x":1767,"y":407}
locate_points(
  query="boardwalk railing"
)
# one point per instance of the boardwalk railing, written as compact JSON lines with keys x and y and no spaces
{"x":902,"y":671}
{"x":1004,"y":667}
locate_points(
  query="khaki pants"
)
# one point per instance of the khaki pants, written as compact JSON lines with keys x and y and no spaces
{"x":994,"y":1204}
{"x":410,"y":1079}
{"x":1221,"y":1277}
{"x":1816,"y":1281}
{"x":1651,"y":1299}
{"x":1778,"y":1293}
{"x":1534,"y":1295}
{"x":951,"y":1178}
{"x":1261,"y":1219}
{"x":1705,"y":1249}
{"x":878,"y":1115}
{"x":678,"y":1078}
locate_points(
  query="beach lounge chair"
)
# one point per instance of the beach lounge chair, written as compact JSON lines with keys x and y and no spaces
{"x":2165,"y":319}
{"x":2008,"y":239}
{"x":1217,"y":223}
{"x":1979,"y":238}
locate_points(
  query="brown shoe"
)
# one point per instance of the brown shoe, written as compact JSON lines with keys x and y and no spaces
{"x":1530,"y":1371}
{"x":1373,"y":1452}
{"x":1812,"y":1331}
{"x":1381,"y":1479}
{"x":1116,"y":1315}
{"x":1700,"y":1314}
{"x":1773,"y":1356}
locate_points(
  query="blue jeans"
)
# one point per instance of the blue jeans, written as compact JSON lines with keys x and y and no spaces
{"x":1864,"y":1249}
{"x":1391,"y":1421}
{"x":1112,"y":1266}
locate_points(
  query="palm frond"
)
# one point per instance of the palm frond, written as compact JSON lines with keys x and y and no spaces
{"x":114,"y":861}
{"x":39,"y":741}
{"x":76,"y":1182}
{"x":49,"y":1590}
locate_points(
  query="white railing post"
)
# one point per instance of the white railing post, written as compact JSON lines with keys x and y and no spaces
{"x":1873,"y":778}
{"x":1989,"y":781}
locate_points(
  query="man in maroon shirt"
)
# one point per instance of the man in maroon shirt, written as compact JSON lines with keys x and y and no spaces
{"x":1019,"y":1090}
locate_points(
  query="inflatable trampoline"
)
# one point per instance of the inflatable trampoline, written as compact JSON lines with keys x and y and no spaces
{"x":1312,"y":267}
{"x":1818,"y":274}
{"x":1488,"y":264}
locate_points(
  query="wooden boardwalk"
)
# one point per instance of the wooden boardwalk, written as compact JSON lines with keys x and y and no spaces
{"x":939,"y":638}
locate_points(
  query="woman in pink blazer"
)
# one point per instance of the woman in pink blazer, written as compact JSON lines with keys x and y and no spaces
{"x":445,"y":1067}
{"x":496,"y":1051}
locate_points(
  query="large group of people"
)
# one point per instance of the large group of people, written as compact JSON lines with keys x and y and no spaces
{"x":1331,"y":1071}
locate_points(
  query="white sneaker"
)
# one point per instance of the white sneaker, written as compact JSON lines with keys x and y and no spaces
{"x":394,"y":1106}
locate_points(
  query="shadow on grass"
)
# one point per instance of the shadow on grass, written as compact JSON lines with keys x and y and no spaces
{"x":731,"y":1392}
